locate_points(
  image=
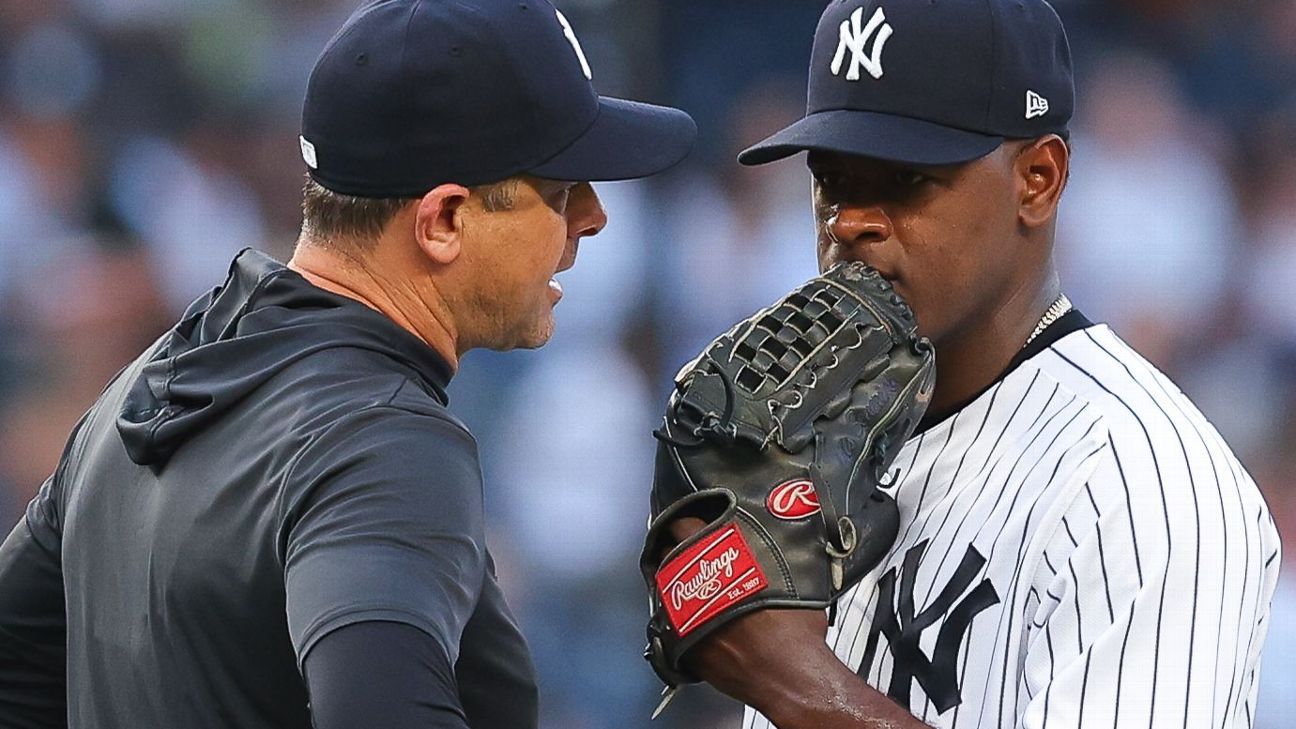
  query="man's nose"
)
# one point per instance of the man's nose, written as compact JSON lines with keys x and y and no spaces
{"x":585,"y":212}
{"x":856,"y":224}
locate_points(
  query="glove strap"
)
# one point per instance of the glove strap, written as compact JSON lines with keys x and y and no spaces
{"x":842,"y":537}
{"x":849,"y":540}
{"x":712,"y":574}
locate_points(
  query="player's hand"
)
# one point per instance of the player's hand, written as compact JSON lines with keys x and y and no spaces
{"x":779,"y":436}
{"x":777,"y":661}
{"x":753,"y":658}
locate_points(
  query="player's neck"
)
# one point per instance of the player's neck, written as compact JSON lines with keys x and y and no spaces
{"x":972,"y":359}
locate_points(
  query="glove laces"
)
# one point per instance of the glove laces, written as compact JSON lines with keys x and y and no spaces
{"x":712,"y":429}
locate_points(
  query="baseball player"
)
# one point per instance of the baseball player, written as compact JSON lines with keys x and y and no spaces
{"x":270,"y":519}
{"x":1076,"y":545}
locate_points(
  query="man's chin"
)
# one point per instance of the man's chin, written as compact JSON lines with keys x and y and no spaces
{"x":534,"y":338}
{"x":534,"y":343}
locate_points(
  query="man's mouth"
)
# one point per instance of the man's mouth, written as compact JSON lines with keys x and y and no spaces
{"x":566,"y":264}
{"x":886,"y":273}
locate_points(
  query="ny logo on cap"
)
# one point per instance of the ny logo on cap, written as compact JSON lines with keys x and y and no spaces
{"x":575,"y":44}
{"x":1036,"y":105}
{"x":854,"y":37}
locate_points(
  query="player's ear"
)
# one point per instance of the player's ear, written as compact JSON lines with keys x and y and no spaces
{"x":1041,"y":171}
{"x":439,"y":222}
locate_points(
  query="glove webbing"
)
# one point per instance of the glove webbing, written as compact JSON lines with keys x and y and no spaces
{"x":781,"y":340}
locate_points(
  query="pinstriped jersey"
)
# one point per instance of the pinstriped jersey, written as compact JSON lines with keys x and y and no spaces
{"x":1078,"y":548}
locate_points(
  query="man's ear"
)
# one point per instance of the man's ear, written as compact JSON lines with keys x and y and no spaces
{"x":1041,"y":169}
{"x":439,"y":223}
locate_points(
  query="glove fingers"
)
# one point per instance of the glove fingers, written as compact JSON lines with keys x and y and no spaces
{"x":777,"y":438}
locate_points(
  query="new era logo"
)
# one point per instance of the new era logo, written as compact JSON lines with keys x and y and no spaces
{"x":854,"y":37}
{"x":1036,"y":105}
{"x":308,"y":154}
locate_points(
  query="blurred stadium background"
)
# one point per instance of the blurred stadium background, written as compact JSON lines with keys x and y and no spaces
{"x":144,"y":142}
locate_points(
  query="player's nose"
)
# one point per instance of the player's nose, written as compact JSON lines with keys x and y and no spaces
{"x":860,"y":224}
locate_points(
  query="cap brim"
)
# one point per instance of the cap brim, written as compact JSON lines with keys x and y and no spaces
{"x":627,"y":140}
{"x":874,"y":134}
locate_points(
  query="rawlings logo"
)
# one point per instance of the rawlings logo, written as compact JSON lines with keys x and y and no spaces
{"x":793,"y":500}
{"x":706,"y":583}
{"x":707,"y":578}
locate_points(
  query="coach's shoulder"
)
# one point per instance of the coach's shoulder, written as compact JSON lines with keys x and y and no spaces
{"x":383,"y":464}
{"x":411,"y":434}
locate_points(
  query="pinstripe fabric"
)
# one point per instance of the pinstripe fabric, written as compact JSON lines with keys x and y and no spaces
{"x":1131,"y":558}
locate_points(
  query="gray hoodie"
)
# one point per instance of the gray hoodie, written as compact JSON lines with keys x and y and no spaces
{"x":277,"y":466}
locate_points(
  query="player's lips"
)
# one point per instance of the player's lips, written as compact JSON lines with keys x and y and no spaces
{"x":885,"y":272}
{"x":890,"y":277}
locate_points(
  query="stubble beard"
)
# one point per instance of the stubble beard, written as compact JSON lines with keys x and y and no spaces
{"x":517,"y":325}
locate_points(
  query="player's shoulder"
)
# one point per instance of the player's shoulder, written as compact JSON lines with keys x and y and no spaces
{"x":1135,"y":400}
{"x":1034,"y":407}
{"x":1166,"y":469}
{"x":1155,"y":434}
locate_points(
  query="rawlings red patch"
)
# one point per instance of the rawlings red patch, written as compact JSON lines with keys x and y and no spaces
{"x":794,"y":499}
{"x":708,"y":577}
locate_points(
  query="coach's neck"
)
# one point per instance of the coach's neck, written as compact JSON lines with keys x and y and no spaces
{"x":389,"y":276}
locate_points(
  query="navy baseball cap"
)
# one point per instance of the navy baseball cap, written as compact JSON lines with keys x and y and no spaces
{"x":930,"y":81}
{"x":411,"y":94}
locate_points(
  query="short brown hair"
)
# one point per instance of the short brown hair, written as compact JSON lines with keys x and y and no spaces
{"x":498,"y":196}
{"x":329,"y":216}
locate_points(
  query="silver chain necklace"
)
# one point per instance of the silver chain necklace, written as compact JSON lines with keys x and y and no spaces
{"x":1055,"y":311}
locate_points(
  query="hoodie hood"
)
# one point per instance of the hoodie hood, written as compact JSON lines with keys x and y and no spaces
{"x":264,"y":318}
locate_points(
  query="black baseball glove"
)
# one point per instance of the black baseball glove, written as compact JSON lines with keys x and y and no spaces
{"x":778,"y":436}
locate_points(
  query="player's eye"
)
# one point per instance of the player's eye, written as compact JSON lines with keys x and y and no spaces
{"x":829,"y":180}
{"x":909,"y":178}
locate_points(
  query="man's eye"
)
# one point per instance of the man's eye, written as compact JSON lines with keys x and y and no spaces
{"x":830,"y":180}
{"x":909,"y":178}
{"x":560,"y":199}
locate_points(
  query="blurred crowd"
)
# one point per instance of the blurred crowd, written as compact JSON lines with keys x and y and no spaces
{"x":144,"y":142}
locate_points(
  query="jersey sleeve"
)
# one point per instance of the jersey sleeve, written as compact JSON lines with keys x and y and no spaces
{"x":33,"y":615}
{"x":1150,"y":604}
{"x":383,"y":522}
{"x":381,"y":674}
{"x":33,"y":631}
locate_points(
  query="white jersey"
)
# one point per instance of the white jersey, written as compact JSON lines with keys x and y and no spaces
{"x":1078,"y":548}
